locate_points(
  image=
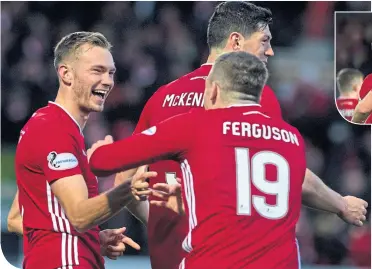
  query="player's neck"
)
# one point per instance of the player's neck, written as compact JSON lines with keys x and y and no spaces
{"x":214,"y":54}
{"x":72,"y":108}
{"x":350,"y":95}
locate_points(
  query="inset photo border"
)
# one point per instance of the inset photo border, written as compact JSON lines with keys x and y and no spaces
{"x":353,"y":65}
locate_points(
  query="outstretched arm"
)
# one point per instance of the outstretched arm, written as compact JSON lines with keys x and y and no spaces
{"x":317,"y":195}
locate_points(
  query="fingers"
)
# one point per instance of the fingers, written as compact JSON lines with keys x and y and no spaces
{"x":114,"y":255}
{"x":365,"y":204}
{"x":109,"y":139}
{"x":120,"y":247}
{"x":160,"y":194}
{"x":119,"y":231}
{"x":158,"y":203}
{"x":130,"y":242}
{"x":364,"y":211}
{"x":162,"y":187}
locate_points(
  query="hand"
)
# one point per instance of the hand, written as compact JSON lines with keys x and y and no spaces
{"x":355,"y":211}
{"x":140,"y":186}
{"x":112,"y":242}
{"x":171,"y":196}
{"x":108,"y":140}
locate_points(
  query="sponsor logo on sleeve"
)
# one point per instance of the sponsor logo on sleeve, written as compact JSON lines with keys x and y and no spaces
{"x":61,"y":161}
{"x":150,"y":131}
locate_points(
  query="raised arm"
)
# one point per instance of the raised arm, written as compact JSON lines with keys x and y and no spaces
{"x":363,"y":109}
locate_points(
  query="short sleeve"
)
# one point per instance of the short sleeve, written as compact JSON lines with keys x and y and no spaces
{"x":60,"y":154}
{"x":270,"y":103}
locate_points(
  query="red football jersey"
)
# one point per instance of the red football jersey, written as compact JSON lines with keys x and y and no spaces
{"x":242,"y":181}
{"x":346,"y":106}
{"x":166,"y":230}
{"x":51,"y":146}
{"x":364,"y":90}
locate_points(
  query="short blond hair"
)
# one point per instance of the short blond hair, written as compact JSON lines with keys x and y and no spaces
{"x":71,"y":43}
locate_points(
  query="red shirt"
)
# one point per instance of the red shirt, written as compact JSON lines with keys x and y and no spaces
{"x":51,"y":146}
{"x":166,"y":230}
{"x":242,"y":182}
{"x":364,"y":90}
{"x":346,"y":107}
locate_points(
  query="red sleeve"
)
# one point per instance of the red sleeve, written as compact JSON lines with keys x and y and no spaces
{"x":366,"y":87}
{"x":167,"y":140}
{"x":270,"y":103}
{"x":59,"y":156}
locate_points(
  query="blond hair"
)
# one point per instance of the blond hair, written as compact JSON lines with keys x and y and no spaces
{"x":71,"y":43}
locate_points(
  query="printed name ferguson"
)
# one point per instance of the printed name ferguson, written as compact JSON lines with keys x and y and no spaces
{"x":259,"y":131}
{"x":184,"y":99}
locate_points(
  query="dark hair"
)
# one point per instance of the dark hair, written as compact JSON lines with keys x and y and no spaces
{"x":346,"y":78}
{"x":70,"y":43}
{"x":240,"y":74}
{"x":242,"y":17}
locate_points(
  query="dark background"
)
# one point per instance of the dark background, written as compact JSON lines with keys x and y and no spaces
{"x":155,"y":43}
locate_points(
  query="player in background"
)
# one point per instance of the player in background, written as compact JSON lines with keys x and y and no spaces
{"x":349,"y":82}
{"x":234,"y":26}
{"x":58,"y":194}
{"x":252,"y":34}
{"x":364,"y":108}
{"x":252,"y":164}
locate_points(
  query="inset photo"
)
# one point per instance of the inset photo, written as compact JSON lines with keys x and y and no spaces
{"x":353,"y":66}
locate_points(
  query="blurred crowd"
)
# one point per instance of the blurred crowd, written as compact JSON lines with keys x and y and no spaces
{"x":157,"y":42}
{"x":354,"y":41}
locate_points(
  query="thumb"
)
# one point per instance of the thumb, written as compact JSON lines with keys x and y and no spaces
{"x":178,"y":180}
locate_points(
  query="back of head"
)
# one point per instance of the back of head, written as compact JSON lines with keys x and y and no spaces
{"x":240,"y":76}
{"x":349,"y":80}
{"x":68,"y":47}
{"x":242,"y":17}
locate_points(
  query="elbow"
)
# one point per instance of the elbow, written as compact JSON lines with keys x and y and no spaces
{"x":11,"y":228}
{"x":80,"y":224}
{"x":12,"y":225}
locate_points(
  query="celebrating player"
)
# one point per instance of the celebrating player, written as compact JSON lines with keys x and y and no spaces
{"x":349,"y":82}
{"x":364,"y":108}
{"x":252,"y":165}
{"x":234,"y":26}
{"x":58,"y":193}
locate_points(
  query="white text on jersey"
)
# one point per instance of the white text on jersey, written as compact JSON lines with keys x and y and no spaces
{"x":184,"y":99}
{"x":256,"y":130}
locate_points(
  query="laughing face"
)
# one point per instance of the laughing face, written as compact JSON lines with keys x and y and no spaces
{"x":93,"y":77}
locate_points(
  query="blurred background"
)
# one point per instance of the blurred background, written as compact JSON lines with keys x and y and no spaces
{"x":354,"y":41}
{"x":155,"y":43}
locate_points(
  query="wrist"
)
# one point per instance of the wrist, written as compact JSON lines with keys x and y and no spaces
{"x":342,"y":206}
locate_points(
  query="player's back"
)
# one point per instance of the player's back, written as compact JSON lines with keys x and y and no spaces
{"x":166,"y":230}
{"x":242,"y":182}
{"x":39,"y":161}
{"x":364,"y":90}
{"x":346,"y":106}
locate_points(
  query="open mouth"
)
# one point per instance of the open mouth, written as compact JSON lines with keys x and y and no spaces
{"x":99,"y":93}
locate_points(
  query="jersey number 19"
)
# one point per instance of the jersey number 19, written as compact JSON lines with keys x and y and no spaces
{"x":251,"y":170}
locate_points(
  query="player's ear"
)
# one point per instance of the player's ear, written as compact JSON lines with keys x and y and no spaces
{"x":65,"y":74}
{"x":214,"y":92}
{"x":235,"y":41}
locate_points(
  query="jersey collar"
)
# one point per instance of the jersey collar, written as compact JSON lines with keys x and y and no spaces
{"x":68,"y":113}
